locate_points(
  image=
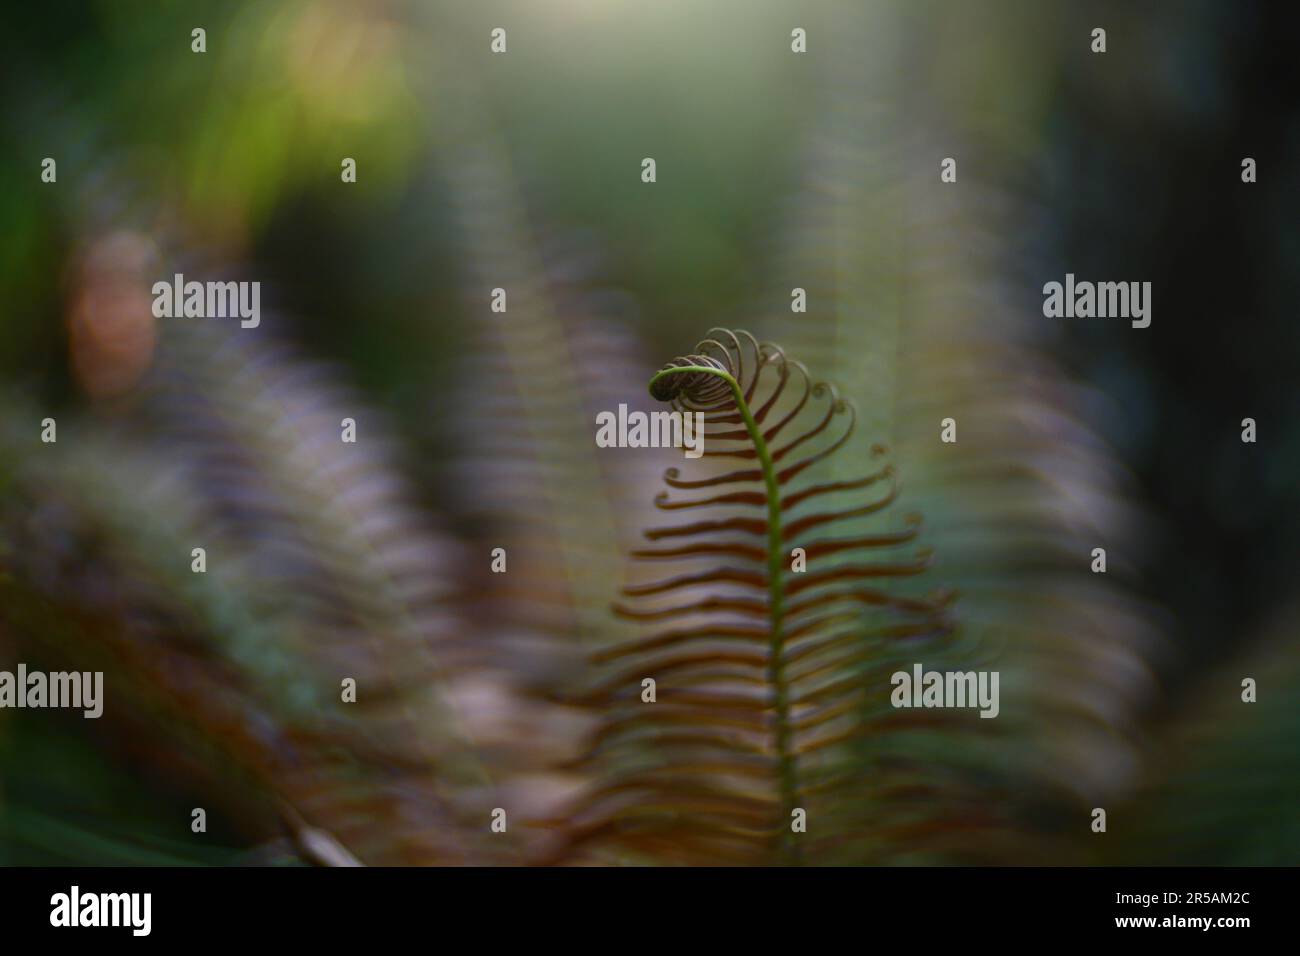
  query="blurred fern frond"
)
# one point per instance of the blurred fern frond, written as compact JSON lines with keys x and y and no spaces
{"x":914,"y":309}
{"x":322,"y":567}
{"x":531,"y":376}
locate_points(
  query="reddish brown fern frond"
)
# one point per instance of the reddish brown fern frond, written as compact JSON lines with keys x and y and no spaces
{"x":769,"y":677}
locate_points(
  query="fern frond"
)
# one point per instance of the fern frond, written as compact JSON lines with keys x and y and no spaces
{"x":917,"y":307}
{"x":769,"y":682}
{"x":531,"y":381}
{"x":323,"y":566}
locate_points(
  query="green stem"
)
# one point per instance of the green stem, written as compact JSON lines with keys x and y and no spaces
{"x":775,"y":597}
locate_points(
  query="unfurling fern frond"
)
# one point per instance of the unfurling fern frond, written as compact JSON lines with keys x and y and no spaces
{"x":771,"y":684}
